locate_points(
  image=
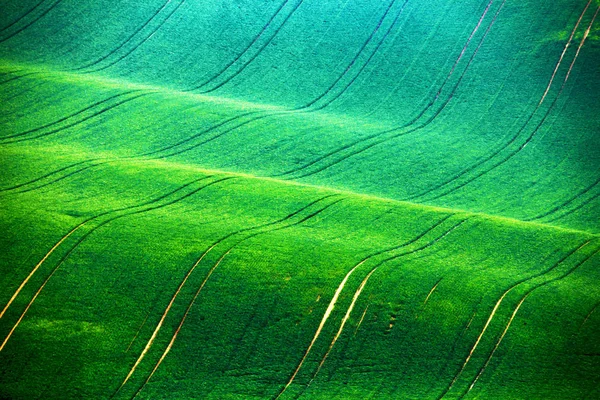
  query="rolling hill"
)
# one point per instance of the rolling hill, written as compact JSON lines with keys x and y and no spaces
{"x":300,"y":198}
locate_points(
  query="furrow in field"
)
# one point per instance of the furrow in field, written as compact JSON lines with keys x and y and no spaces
{"x":588,"y":315}
{"x":560,"y":59}
{"x":381,"y":137}
{"x":355,"y":59}
{"x":24,"y":90}
{"x":20,"y":18}
{"x":303,"y":109}
{"x":36,"y":19}
{"x":67,"y":117}
{"x":37,"y":266}
{"x":362,"y":318}
{"x":78,"y":122}
{"x":328,"y":311}
{"x":15,"y":78}
{"x":572,"y":210}
{"x":244,"y":51}
{"x":127,"y":40}
{"x":148,"y":204}
{"x":364,"y":282}
{"x":495,"y":309}
{"x":516,"y":310}
{"x":210,"y":248}
{"x":353,"y":302}
{"x":245,"y":64}
{"x":137,"y":333}
{"x":138,"y":45}
{"x":209,"y":274}
{"x":427,"y":196}
{"x":432,"y":290}
{"x":20,"y":185}
{"x":561,"y":206}
{"x":230,"y":120}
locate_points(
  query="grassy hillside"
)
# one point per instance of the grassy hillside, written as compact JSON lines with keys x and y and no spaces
{"x":300,"y":198}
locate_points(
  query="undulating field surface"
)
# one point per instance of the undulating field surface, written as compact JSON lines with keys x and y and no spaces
{"x":325,"y":199}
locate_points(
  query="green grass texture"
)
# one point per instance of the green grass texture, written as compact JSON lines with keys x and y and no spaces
{"x":316,"y":199}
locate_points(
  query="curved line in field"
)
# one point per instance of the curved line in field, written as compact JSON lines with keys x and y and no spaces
{"x":149,"y":203}
{"x":362,"y":317}
{"x":516,"y":310}
{"x":362,"y":285}
{"x":246,"y":49}
{"x":356,"y":296}
{"x":37,"y":266}
{"x":137,"y":46}
{"x":494,"y":310}
{"x":432,"y":290}
{"x":375,"y":137}
{"x":251,"y":60}
{"x":137,"y":333}
{"x":48,"y":125}
{"x":31,"y":23}
{"x":588,"y":315}
{"x":94,"y":115}
{"x":45,"y":176}
{"x":14,"y":78}
{"x":566,"y":203}
{"x":564,"y":52}
{"x":326,"y":315}
{"x":357,"y":55}
{"x":262,"y":115}
{"x":129,"y":38}
{"x":23,"y":16}
{"x":209,"y":274}
{"x":504,"y":147}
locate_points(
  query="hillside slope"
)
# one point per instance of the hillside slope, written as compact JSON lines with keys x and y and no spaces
{"x":326,"y":199}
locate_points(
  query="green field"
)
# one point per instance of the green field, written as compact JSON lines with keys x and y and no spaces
{"x":317,"y":199}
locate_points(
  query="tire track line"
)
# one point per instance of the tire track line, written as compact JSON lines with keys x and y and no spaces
{"x":209,"y":274}
{"x":379,"y":137}
{"x":24,"y":90}
{"x":137,"y":333}
{"x":516,"y":310}
{"x":362,"y":317}
{"x":202,"y":133}
{"x":94,"y":115}
{"x":77,"y":227}
{"x":246,"y":49}
{"x":152,"y":208}
{"x":14,"y":78}
{"x":37,"y":266}
{"x":588,"y":315}
{"x":571,"y":211}
{"x":431,"y":291}
{"x":302,"y":109}
{"x":328,"y":311}
{"x":507,"y":145}
{"x":566,"y":203}
{"x":48,"y":175}
{"x":129,"y":39}
{"x":357,"y":55}
{"x":137,"y":46}
{"x":31,"y":23}
{"x":495,"y":309}
{"x":23,"y":16}
{"x":334,"y":299}
{"x":251,"y":60}
{"x":63,"y":119}
{"x":563,"y":53}
{"x":363,"y":284}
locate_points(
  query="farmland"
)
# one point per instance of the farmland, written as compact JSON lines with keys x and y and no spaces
{"x":300,"y":198}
